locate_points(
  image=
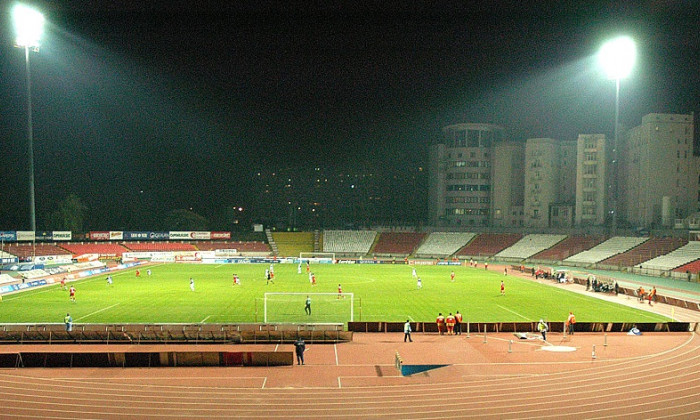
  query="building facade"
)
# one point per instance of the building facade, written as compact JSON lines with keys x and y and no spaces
{"x":461,"y":173}
{"x":658,"y":179}
{"x":591,"y":180}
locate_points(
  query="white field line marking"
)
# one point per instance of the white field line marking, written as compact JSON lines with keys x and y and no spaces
{"x":97,"y":311}
{"x":202,"y":321}
{"x":335,"y":348}
{"x":513,"y":312}
{"x":411,"y":318}
{"x":339,"y":385}
{"x":264,"y":382}
{"x":277,"y":346}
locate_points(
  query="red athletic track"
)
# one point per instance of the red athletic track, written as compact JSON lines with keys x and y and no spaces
{"x":653,"y":376}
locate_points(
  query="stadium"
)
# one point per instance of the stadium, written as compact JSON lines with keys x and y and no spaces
{"x":262,"y":210}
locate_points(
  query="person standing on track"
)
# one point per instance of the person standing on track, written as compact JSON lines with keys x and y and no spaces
{"x":458,"y":323}
{"x":570,"y":322}
{"x":542,"y":328}
{"x":450,"y":321}
{"x":300,"y":349}
{"x":68,"y":320}
{"x":407,"y":331}
{"x":440,"y":321}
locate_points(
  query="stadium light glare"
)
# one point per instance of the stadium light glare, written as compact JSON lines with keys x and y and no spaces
{"x":617,"y":58}
{"x":29,"y":26}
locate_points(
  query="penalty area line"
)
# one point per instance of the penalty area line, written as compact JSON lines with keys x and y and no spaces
{"x":96,"y":312}
{"x":207,"y":317}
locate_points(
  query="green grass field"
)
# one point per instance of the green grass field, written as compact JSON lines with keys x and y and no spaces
{"x":382,"y":293}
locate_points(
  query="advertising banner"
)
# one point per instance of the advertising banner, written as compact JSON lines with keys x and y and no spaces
{"x":221,"y":235}
{"x":189,"y":235}
{"x":158,"y":236}
{"x":53,"y":259}
{"x":116,"y":235}
{"x":136,"y":236}
{"x":62,"y":235}
{"x":25,"y":235}
{"x":8,"y":236}
{"x":98,"y":236}
{"x":44,"y":236}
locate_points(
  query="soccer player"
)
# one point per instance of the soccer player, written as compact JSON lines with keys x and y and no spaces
{"x":109,"y":280}
{"x":191,"y":284}
{"x":414,"y":274}
{"x":503,"y":288}
{"x":308,"y":267}
{"x":450,"y":321}
{"x":340,"y":290}
{"x":148,"y":272}
{"x":299,"y":268}
{"x":313,"y":279}
{"x":71,"y":293}
{"x":138,"y":273}
{"x":419,"y":283}
{"x":307,"y":308}
{"x":505,"y":271}
{"x":452,"y":276}
{"x":63,"y":283}
{"x":440,"y":321}
{"x":486,"y":265}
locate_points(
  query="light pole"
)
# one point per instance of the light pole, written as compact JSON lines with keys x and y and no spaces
{"x":617,"y":57}
{"x":29,"y":26}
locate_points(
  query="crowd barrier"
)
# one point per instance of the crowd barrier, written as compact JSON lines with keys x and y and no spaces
{"x":145,"y":359}
{"x":513,"y":327}
{"x":172,"y":333}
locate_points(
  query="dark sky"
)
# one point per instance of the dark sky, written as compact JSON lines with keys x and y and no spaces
{"x":185,"y":100}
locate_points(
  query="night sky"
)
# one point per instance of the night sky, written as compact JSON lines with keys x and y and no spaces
{"x":144,"y":107}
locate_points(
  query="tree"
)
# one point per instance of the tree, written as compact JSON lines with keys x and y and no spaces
{"x":69,"y":215}
{"x":183,"y":219}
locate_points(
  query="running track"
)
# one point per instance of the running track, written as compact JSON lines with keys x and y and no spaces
{"x":655,"y":376}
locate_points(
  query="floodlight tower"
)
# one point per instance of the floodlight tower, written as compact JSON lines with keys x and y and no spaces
{"x":617,"y":58}
{"x":29,"y":26}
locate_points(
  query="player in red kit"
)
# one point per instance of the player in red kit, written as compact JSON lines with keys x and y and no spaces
{"x":340,"y":290}
{"x":450,"y":321}
{"x":440,"y":321}
{"x":71,"y":293}
{"x":452,"y":276}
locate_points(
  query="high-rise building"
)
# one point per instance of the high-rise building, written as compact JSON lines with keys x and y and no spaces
{"x":591,"y":180}
{"x":658,"y":179}
{"x":460,"y":168}
{"x":508,"y":184}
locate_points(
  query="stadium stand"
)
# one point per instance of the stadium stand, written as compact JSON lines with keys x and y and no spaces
{"x":28,"y":250}
{"x":677,"y":258}
{"x":443,"y":244}
{"x":240,"y":246}
{"x":397,"y":243}
{"x":652,"y":248}
{"x":605,"y":250}
{"x":568,"y":247}
{"x":290,"y":244}
{"x":158,"y":246}
{"x":489,"y":244}
{"x":355,"y":242}
{"x":101,"y":248}
{"x":691,"y":267}
{"x":530,"y":245}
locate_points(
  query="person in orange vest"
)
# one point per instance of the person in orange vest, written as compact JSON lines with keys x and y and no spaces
{"x":652,"y":295}
{"x":642,"y":293}
{"x":450,"y":321}
{"x":458,"y":323}
{"x":570,"y":322}
{"x":440,"y":321}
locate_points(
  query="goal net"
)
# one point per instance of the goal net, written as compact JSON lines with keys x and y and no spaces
{"x":317,"y":257}
{"x":325,"y":307}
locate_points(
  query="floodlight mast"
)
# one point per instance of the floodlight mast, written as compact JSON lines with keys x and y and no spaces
{"x":29,"y":26}
{"x":617,"y":58}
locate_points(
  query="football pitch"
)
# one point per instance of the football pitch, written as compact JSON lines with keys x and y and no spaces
{"x":382,"y":292}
